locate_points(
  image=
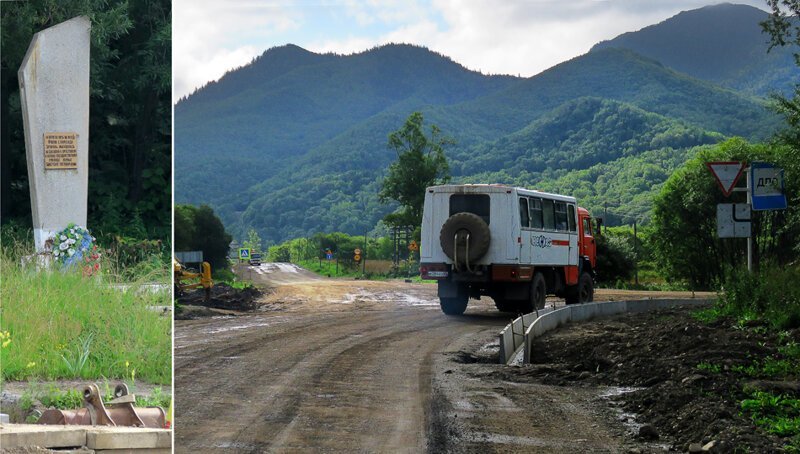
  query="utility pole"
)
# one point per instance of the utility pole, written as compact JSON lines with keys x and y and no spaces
{"x":364,"y":260}
{"x":605,"y":218}
{"x":635,"y":254}
{"x":749,"y":238}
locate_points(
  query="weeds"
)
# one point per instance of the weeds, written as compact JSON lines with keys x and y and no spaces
{"x":62,"y":325}
{"x":713,"y":368}
{"x":707,"y":315}
{"x":72,"y":398}
{"x":777,"y":414}
{"x":79,"y":355}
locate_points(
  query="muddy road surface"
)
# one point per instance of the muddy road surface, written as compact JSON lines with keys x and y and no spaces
{"x":329,"y":365}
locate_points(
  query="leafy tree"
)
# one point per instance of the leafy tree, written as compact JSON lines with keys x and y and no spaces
{"x":684,"y":219}
{"x":253,"y":241}
{"x":615,"y":255}
{"x":279,"y":253}
{"x":420,"y":163}
{"x":130,"y":111}
{"x":783,"y":28}
{"x":198,"y":228}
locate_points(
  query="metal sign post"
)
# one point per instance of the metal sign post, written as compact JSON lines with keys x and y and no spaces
{"x":765,"y":191}
{"x":750,"y":204}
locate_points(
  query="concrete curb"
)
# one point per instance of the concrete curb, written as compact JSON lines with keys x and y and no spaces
{"x":512,"y":337}
{"x":521,"y":332}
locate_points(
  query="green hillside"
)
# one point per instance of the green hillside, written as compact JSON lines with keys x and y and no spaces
{"x":296,"y":143}
{"x":259,"y":118}
{"x":589,"y":133}
{"x":722,"y":43}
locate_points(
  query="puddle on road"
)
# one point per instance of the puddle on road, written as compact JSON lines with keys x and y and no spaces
{"x":239,"y":446}
{"x":400,"y":298}
{"x":484,"y":437}
{"x":491,"y":347}
{"x":627,"y":419}
{"x":223,"y":329}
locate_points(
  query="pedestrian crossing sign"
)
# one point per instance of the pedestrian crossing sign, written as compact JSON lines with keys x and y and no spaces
{"x":244,"y":253}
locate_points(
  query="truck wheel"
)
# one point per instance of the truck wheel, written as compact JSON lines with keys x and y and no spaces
{"x":537,"y":296}
{"x":454,"y":306}
{"x":465,"y":223}
{"x":538,"y":291}
{"x":582,"y":292}
{"x":504,"y":305}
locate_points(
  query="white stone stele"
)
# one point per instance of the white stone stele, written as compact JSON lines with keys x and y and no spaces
{"x":54,"y":92}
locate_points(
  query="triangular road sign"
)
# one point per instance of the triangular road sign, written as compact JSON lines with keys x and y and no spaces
{"x":727,"y":174}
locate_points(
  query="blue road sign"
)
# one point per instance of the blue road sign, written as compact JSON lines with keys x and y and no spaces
{"x":244,"y":253}
{"x":766,"y":187}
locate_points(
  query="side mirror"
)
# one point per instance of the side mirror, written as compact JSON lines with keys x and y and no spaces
{"x":599,"y":227}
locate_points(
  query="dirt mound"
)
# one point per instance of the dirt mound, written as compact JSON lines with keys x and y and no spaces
{"x":683,"y":377}
{"x":223,"y":296}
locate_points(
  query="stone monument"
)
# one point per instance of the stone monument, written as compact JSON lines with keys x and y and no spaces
{"x":54,"y":93}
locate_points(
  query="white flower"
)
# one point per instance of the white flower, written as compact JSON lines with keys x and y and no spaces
{"x":63,"y":246}
{"x":71,"y":230}
{"x":71,"y":241}
{"x":62,"y":237}
{"x":56,"y":253}
{"x":70,"y":252}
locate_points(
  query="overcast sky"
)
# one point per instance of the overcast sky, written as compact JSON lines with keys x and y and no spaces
{"x":518,"y":37}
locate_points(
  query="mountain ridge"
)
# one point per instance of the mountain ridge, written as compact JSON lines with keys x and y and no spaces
{"x":296,"y":142}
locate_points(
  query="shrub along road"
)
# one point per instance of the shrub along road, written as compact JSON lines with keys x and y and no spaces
{"x":348,"y":365}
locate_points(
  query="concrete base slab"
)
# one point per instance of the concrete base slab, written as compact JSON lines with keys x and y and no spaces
{"x":22,"y":435}
{"x":132,"y":438}
{"x":97,"y":439}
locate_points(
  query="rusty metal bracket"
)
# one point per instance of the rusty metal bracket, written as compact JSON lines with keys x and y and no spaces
{"x":120,"y":411}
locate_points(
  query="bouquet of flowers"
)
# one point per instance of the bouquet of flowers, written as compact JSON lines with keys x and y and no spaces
{"x":74,"y":246}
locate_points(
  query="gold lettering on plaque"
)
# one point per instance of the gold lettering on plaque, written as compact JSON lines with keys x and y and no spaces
{"x":60,"y":150}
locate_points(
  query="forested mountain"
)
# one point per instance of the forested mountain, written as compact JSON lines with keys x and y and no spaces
{"x":723,"y":44}
{"x":296,"y":143}
{"x":255,"y":120}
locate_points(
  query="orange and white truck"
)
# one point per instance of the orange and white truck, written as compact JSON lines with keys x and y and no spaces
{"x":512,"y":244}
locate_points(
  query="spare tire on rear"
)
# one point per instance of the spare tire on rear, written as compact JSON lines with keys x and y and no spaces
{"x":465,"y":223}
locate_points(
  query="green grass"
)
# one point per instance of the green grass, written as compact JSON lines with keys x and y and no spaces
{"x":777,"y":414}
{"x":707,"y":315}
{"x":61,"y":325}
{"x":713,"y":368}
{"x":329,"y":268}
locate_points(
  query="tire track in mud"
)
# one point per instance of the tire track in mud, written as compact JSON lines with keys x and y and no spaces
{"x":301,"y":384}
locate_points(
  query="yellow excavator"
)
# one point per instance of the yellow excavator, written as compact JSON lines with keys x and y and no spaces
{"x":182,"y":275}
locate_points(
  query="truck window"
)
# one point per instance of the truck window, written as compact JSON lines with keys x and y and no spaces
{"x":587,"y":227}
{"x":571,"y":215}
{"x":477,"y":204}
{"x":548,"y":215}
{"x":523,"y":212}
{"x":561,"y":216}
{"x":536,"y":213}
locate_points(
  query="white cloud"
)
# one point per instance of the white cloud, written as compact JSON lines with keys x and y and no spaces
{"x":521,"y":37}
{"x":211,"y":37}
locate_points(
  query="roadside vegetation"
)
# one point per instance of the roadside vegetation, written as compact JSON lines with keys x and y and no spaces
{"x":62,"y":325}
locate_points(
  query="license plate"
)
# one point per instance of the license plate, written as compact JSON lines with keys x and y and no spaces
{"x":437,"y":273}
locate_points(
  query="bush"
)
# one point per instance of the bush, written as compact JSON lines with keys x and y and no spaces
{"x":772,"y":295}
{"x":614,"y":259}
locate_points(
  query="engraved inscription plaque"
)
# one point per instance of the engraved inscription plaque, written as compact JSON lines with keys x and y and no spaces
{"x":60,"y":150}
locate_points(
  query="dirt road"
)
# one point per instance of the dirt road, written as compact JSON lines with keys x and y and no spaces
{"x":364,"y":366}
